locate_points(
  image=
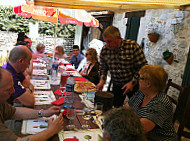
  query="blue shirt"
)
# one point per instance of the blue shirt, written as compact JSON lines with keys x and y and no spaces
{"x":76,"y":60}
{"x":18,"y":78}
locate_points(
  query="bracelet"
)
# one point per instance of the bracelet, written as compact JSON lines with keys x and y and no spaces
{"x":30,"y":89}
{"x":40,"y":113}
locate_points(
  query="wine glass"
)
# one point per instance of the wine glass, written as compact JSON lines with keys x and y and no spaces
{"x":86,"y":116}
{"x":98,"y":109}
{"x":71,"y":114}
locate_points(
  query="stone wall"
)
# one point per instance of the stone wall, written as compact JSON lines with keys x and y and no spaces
{"x":177,"y":41}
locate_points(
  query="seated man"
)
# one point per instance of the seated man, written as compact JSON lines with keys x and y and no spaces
{"x":77,"y":57}
{"x":19,"y":113}
{"x":19,"y":60}
{"x":122,"y":124}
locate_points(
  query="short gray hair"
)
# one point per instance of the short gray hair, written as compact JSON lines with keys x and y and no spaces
{"x":112,"y":31}
{"x":123,"y":124}
{"x":17,"y":53}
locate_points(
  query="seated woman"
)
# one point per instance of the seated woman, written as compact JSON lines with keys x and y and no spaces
{"x":39,"y":52}
{"x":60,"y":53}
{"x":152,"y":105}
{"x":91,"y":71}
{"x":22,"y":37}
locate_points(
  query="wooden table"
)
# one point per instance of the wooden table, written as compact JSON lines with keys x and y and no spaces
{"x":78,"y":121}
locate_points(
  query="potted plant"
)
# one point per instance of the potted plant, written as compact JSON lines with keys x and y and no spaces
{"x":153,"y":36}
{"x":168,"y":56}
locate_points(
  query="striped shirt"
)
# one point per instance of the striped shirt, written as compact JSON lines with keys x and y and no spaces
{"x":122,"y":63}
{"x":159,"y":111}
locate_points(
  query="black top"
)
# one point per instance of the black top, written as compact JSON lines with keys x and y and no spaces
{"x":93,"y":75}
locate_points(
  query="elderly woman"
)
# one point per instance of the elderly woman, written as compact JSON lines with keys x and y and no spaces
{"x":91,"y":70}
{"x":39,"y":52}
{"x":152,"y":105}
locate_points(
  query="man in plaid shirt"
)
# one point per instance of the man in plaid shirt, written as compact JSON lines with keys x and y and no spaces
{"x":123,"y":58}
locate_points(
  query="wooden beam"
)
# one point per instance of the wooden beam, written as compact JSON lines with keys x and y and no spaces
{"x":106,"y":5}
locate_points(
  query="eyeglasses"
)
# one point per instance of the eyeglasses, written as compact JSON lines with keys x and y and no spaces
{"x":141,"y":78}
{"x":137,"y":76}
{"x":87,"y":54}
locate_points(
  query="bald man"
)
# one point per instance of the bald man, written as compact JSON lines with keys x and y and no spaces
{"x":19,"y":60}
{"x":8,"y":112}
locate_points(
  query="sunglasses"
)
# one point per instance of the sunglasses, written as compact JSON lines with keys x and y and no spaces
{"x":87,"y":54}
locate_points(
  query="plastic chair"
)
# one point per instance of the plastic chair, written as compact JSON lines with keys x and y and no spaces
{"x":179,"y":103}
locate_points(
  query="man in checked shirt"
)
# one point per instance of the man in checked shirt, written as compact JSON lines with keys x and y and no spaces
{"x":123,"y":58}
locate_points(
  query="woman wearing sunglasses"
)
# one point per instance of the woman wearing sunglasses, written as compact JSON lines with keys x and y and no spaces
{"x":91,"y":70}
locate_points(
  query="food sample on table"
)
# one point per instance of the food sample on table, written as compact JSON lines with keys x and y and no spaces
{"x":84,"y":87}
{"x":44,"y":97}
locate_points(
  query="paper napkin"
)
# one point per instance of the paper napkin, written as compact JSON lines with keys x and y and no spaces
{"x":59,"y":101}
{"x":82,"y":79}
{"x":59,"y":93}
{"x":70,"y":69}
{"x":64,"y":63}
{"x":36,"y":61}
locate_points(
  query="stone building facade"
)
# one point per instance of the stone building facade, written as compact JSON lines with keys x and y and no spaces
{"x":163,"y":21}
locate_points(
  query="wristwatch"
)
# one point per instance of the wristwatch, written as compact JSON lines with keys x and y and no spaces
{"x":40,"y":112}
{"x":30,"y":89}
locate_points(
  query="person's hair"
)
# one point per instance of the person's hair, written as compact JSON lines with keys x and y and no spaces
{"x":112,"y":31}
{"x":93,"y":54}
{"x":17,"y":53}
{"x":21,"y":36}
{"x":75,"y":47}
{"x":20,"y":43}
{"x":156,"y":75}
{"x":40,"y":46}
{"x":60,"y":50}
{"x":123,"y":124}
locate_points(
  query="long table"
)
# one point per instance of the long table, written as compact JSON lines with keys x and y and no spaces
{"x":78,"y":121}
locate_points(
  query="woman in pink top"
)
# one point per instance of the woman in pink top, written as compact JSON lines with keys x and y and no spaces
{"x":39,"y":52}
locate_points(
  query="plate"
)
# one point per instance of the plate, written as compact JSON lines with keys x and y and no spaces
{"x":84,"y":87}
{"x":94,"y":134}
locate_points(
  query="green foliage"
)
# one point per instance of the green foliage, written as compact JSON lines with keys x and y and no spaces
{"x":9,"y":21}
{"x":166,"y":54}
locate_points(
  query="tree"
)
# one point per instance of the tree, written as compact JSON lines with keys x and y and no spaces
{"x":9,"y":21}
